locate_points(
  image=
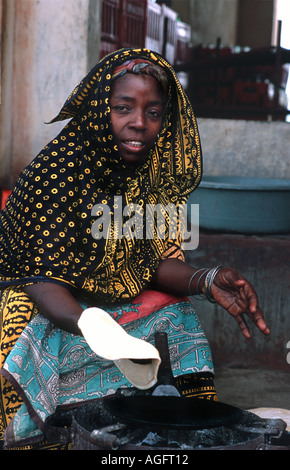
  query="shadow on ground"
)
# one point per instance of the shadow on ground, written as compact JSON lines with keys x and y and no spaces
{"x":253,"y":388}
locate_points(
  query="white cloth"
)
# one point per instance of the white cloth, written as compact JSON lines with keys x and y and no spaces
{"x":273,"y":413}
{"x":110,"y":341}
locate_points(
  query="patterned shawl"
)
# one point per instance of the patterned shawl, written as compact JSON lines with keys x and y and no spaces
{"x":45,"y":228}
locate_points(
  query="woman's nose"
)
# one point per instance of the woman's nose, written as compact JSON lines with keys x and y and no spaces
{"x":138,"y":121}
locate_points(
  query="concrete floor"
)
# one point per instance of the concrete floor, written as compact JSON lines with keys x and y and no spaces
{"x":253,"y":388}
{"x":249,"y":373}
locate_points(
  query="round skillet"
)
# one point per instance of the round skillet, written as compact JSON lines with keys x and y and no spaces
{"x":173,"y":411}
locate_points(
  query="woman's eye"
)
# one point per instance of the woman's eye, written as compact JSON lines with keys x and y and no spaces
{"x":155,"y":114}
{"x":121,"y":108}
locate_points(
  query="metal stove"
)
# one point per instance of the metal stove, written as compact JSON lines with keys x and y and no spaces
{"x":161,"y":420}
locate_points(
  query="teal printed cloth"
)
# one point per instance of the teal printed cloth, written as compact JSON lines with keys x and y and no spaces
{"x":51,"y":368}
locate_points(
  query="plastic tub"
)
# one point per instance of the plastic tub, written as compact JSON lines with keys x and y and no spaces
{"x":243,"y":205}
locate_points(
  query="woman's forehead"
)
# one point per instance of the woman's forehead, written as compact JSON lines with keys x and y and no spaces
{"x":135,"y":83}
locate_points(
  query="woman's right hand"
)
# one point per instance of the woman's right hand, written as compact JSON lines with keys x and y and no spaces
{"x":57,"y":304}
{"x":236,"y":295}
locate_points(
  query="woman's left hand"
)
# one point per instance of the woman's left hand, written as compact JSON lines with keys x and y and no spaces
{"x":236,"y":295}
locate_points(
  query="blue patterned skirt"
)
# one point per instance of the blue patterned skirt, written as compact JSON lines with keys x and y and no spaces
{"x":51,"y":369}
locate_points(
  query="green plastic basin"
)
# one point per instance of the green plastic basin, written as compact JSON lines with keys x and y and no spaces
{"x":243,"y":205}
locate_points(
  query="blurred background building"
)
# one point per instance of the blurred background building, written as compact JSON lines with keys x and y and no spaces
{"x":225,"y":52}
{"x":232,"y":57}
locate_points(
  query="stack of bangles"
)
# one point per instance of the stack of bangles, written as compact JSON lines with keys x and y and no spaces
{"x":208,"y":281}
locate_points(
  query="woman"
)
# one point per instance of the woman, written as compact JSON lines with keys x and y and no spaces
{"x":132,"y":143}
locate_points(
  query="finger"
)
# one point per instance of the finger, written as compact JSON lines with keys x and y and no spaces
{"x":246,"y":291}
{"x":255,"y":312}
{"x":253,"y":302}
{"x":259,"y":321}
{"x":243,"y":326}
{"x":248,"y":294}
{"x":240,"y":282}
{"x":261,"y":324}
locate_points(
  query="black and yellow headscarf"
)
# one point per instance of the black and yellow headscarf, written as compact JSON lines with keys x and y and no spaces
{"x":45,"y":228}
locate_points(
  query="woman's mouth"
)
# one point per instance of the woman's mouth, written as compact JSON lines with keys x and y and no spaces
{"x":133,"y":151}
{"x":133,"y":144}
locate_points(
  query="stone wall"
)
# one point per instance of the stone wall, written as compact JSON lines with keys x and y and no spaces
{"x":245,"y":148}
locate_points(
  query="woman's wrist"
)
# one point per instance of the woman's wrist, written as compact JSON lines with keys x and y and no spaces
{"x":196,"y":281}
{"x":201,"y":281}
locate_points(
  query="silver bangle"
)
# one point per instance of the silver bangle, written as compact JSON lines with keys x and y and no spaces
{"x":194,"y":274}
{"x":209,"y":279}
{"x":209,"y":282}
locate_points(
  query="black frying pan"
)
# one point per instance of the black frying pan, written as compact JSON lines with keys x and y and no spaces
{"x":173,"y":411}
{"x":170,"y":411}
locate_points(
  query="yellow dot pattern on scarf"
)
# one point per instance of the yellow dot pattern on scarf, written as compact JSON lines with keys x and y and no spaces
{"x":46,"y":227}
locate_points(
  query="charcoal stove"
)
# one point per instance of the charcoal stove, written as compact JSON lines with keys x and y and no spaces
{"x":162,"y":420}
{"x":95,"y":427}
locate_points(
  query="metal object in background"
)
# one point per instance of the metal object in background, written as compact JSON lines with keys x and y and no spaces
{"x":136,"y":420}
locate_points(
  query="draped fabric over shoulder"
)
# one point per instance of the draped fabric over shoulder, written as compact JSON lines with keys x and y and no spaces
{"x":46,"y":226}
{"x":53,"y":229}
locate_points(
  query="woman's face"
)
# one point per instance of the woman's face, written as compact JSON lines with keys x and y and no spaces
{"x":136,"y":115}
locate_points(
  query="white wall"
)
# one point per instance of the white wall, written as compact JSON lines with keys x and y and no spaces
{"x":245,"y":148}
{"x":46,"y":53}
